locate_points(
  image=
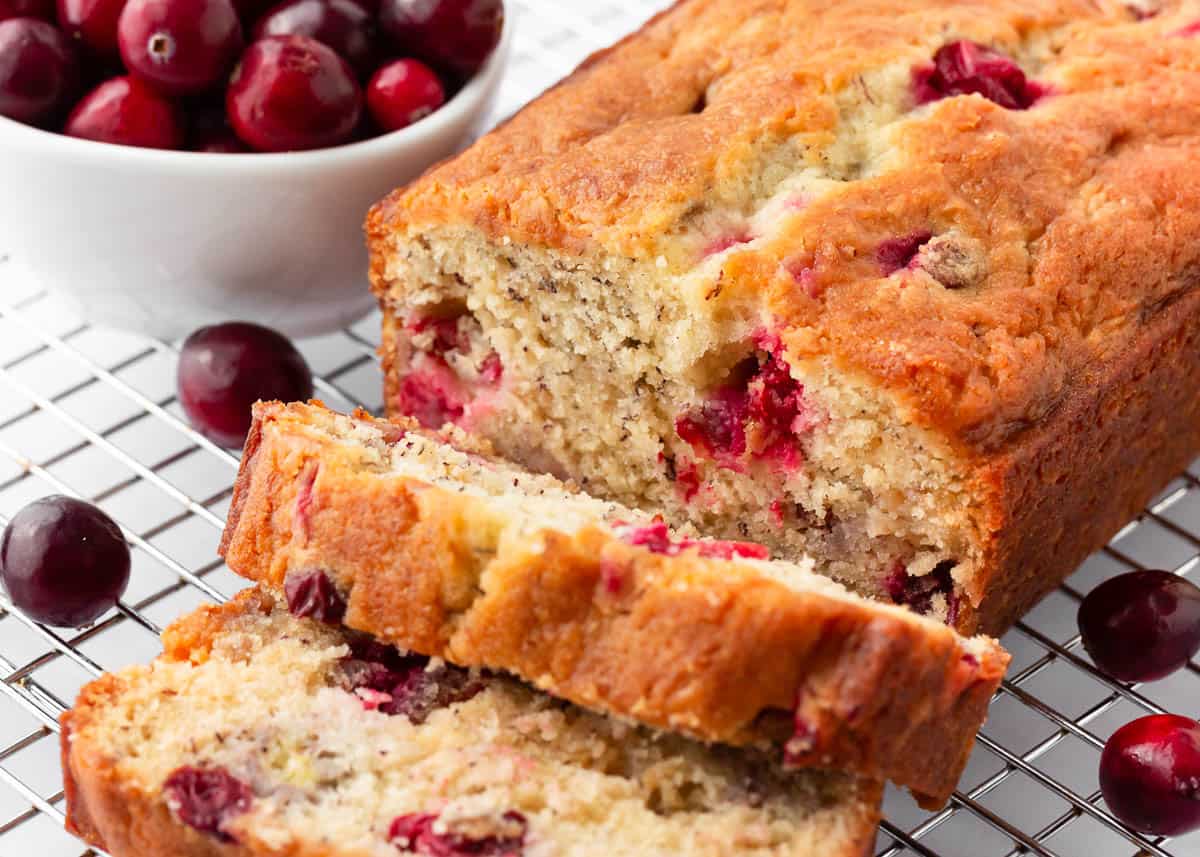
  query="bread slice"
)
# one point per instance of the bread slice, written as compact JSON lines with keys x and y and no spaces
{"x":257,"y":734}
{"x":451,"y":552}
{"x":909,"y":287}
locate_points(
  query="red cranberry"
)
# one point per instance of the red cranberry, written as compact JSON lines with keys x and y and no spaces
{"x":404,"y":92}
{"x":225,"y":369}
{"x":64,"y":562}
{"x":963,"y":68}
{"x":292,"y":92}
{"x":38,"y":70}
{"x":1150,"y":774}
{"x":718,"y":426}
{"x":421,"y":692}
{"x":344,"y":25}
{"x":1141,"y":626}
{"x":917,"y":592}
{"x":457,"y":35}
{"x":312,"y":595}
{"x":93,"y":22}
{"x":180,"y":46}
{"x":898,"y":253}
{"x":416,"y":834}
{"x":206,"y":798}
{"x":656,"y":538}
{"x":127,"y":112}
{"x":43,"y":9}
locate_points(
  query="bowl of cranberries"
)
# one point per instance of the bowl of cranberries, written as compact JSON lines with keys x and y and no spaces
{"x":172,"y":163}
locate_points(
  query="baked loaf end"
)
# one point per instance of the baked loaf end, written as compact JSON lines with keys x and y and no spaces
{"x":259,"y":734}
{"x":908,"y":287}
{"x":453,"y":553}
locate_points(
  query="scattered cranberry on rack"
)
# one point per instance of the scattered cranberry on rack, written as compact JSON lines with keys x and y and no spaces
{"x":226,"y":368}
{"x":303,"y":74}
{"x":1150,"y":775}
{"x":63,"y":562}
{"x":1141,"y":626}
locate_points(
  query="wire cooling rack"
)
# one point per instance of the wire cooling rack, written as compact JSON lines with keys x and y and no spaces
{"x":92,"y":413}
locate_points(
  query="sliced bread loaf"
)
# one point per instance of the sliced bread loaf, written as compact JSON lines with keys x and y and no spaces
{"x":257,"y":733}
{"x":435,"y":546}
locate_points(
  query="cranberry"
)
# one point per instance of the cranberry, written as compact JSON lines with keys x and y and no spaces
{"x":416,"y":834}
{"x":93,"y":22}
{"x":404,"y":92}
{"x":718,"y":426}
{"x":963,"y":68}
{"x":917,"y":592}
{"x":127,"y":112}
{"x":180,"y":46}
{"x":896,"y":254}
{"x":206,"y":798}
{"x":312,"y":595}
{"x":225,"y":369}
{"x":38,"y":70}
{"x":457,"y":35}
{"x":292,"y":92}
{"x":1141,"y":626}
{"x":656,"y":538}
{"x":64,"y":562}
{"x":344,"y":25}
{"x":43,"y":9}
{"x":422,"y":691}
{"x":1150,"y":774}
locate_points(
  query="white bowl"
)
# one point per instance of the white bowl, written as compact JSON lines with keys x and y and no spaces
{"x":164,"y":242}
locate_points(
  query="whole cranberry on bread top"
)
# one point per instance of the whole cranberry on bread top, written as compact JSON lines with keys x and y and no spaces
{"x":434,"y":545}
{"x":257,"y":734}
{"x":907,"y":287}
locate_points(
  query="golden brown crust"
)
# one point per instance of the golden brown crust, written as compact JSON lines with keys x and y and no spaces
{"x":664,"y":640}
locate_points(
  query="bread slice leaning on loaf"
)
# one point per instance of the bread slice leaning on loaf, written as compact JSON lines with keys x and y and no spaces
{"x":910,"y":287}
{"x":257,"y":734}
{"x":435,"y":546}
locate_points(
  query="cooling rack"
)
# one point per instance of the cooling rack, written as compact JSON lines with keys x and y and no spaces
{"x":92,"y":413}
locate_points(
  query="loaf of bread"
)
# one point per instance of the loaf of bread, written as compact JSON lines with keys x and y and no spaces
{"x":257,"y":734}
{"x":456,"y":554}
{"x":906,"y":287}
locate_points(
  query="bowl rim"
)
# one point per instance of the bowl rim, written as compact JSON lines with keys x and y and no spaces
{"x":465,"y":101}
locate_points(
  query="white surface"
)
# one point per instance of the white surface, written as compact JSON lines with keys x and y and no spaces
{"x":92,"y":412}
{"x":162,"y":242}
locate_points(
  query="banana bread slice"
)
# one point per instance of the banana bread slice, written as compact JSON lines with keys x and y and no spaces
{"x":258,"y":734}
{"x":906,"y":286}
{"x":454,"y":553}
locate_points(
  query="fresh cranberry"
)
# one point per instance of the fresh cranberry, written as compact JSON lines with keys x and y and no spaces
{"x":63,"y":561}
{"x":43,"y":9}
{"x":343,"y":25}
{"x":1150,"y":774}
{"x":404,"y":92}
{"x":291,"y":93}
{"x":180,"y":47}
{"x":416,"y":834}
{"x":225,"y":369}
{"x":93,"y":22}
{"x":917,"y":592}
{"x":207,"y":798}
{"x":895,"y":254}
{"x":38,"y":70}
{"x":964,"y":68}
{"x":312,"y":595}
{"x":457,"y":35}
{"x":127,"y":112}
{"x":1141,"y":626}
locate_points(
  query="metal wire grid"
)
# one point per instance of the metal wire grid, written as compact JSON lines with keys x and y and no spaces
{"x":92,"y":413}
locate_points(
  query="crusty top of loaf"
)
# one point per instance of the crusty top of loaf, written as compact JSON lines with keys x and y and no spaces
{"x":1077,"y":219}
